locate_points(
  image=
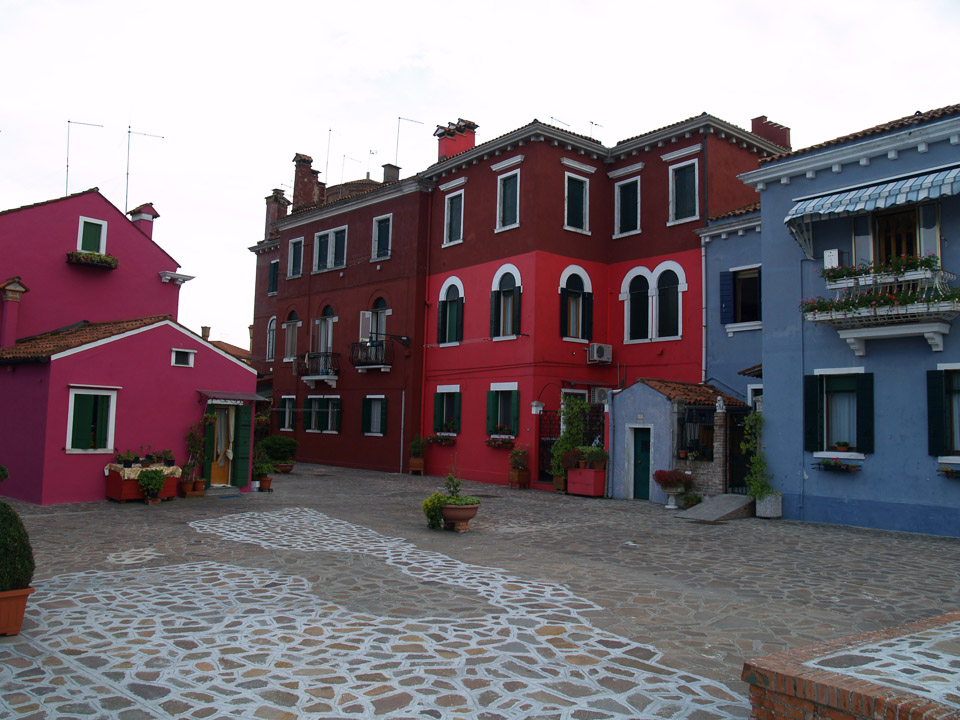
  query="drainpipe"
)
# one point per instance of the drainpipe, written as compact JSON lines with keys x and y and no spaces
{"x":403,"y":421}
{"x":426,"y":314}
{"x":803,"y":470}
{"x":703,"y":310}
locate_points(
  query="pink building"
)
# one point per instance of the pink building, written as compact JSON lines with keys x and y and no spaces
{"x":92,"y":360}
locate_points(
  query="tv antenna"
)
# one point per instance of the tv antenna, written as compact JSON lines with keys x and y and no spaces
{"x":396,"y":159}
{"x":592,"y":126}
{"x":559,"y":121}
{"x":126,"y":193}
{"x":66,"y":190}
{"x":342,"y":165}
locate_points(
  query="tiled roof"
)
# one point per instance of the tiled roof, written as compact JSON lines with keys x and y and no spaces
{"x":915,"y":119}
{"x":700,"y":394}
{"x":703,"y":115}
{"x":47,"y":202}
{"x":39,"y":348}
{"x":355,"y":188}
{"x":754,"y":371}
{"x":237,"y":352}
{"x":745,"y":210}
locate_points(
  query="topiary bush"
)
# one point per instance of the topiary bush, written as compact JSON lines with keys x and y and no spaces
{"x":431,"y":508}
{"x":16,"y":555}
{"x":151,"y":482}
{"x":279,"y":448}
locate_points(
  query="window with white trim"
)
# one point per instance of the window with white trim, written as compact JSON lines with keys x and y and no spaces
{"x":450,"y":315}
{"x":285,"y":411}
{"x":271,"y":338}
{"x":273,"y":277}
{"x":508,"y":200}
{"x":382,"y":229}
{"x":453,"y":218}
{"x":290,"y":336}
{"x":653,"y":303}
{"x":91,"y":419}
{"x":182,"y":358}
{"x":577,"y":203}
{"x":882,"y":237}
{"x":668,"y":304}
{"x":627,"y":207}
{"x":576,"y":305}
{"x":330,"y":249}
{"x":505,"y":306}
{"x":943,"y":410}
{"x":684,"y":194}
{"x":374,"y":415}
{"x":92,"y":235}
{"x":322,"y":414}
{"x":446,"y":409}
{"x":295,"y":258}
{"x":838,"y":411}
{"x":503,"y":409}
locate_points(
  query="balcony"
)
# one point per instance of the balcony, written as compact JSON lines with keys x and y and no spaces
{"x":372,"y":355}
{"x":320,"y":367}
{"x":881,"y":304}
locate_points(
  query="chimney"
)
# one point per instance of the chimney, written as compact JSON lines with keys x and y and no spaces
{"x":391,"y":173}
{"x":768,"y":130}
{"x":10,"y":293}
{"x":276,"y":209}
{"x":205,"y":332}
{"x":307,"y":189}
{"x":455,"y":138}
{"x":143,"y":218}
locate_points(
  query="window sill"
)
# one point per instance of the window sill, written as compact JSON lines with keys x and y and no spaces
{"x":283,"y":429}
{"x":449,"y":344}
{"x":949,"y":459}
{"x":289,"y":359}
{"x":271,"y":294}
{"x":666,"y":339}
{"x":92,"y":451}
{"x":626,"y":234}
{"x":323,"y":432}
{"x":839,"y":455}
{"x":576,"y":340}
{"x":637,"y":341}
{"x":327,"y":269}
{"x":506,"y":227}
{"x":742,"y":327}
{"x":452,"y":243}
{"x":373,"y":434}
{"x":581,"y":231}
{"x":379,"y":259}
{"x":294,"y":277}
{"x":500,"y":338}
{"x":671,"y":223}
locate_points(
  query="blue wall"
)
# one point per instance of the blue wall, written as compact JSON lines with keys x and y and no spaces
{"x":656,"y":409}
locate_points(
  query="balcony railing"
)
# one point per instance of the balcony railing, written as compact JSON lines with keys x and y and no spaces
{"x":320,"y":364}
{"x":376,"y":353}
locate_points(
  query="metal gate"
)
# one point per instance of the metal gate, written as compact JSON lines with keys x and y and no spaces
{"x":550,"y":431}
{"x":736,"y":460}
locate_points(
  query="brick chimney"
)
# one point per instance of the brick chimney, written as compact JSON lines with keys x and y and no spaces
{"x":276,"y":209}
{"x":391,"y":173}
{"x":455,"y":138}
{"x":205,"y":332}
{"x":10,"y":292}
{"x":143,"y":217}
{"x":307,"y":189}
{"x":769,"y":130}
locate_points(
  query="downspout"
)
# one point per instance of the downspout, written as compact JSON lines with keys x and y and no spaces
{"x":426,"y":312}
{"x":803,"y":471}
{"x":403,"y":423}
{"x":703,"y":261}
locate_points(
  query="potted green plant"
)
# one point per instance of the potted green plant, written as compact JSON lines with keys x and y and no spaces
{"x":127,"y":458}
{"x":261,"y":469}
{"x":148,"y":456}
{"x":151,"y":482}
{"x":16,"y":567}
{"x":280,"y":450}
{"x":843,"y":445}
{"x":169,"y":459}
{"x":595,"y":456}
{"x":672,"y":482}
{"x":457,"y":510}
{"x":417,"y":447}
{"x":564,"y":454}
{"x":768,"y":502}
{"x":519,"y":475}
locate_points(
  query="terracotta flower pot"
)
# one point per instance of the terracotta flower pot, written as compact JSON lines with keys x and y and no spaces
{"x":458,"y":517}
{"x":199,"y":485}
{"x":265,"y":483}
{"x":13,"y":604}
{"x":283,"y":467}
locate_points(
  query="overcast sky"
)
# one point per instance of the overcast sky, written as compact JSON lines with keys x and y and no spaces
{"x":236,"y":89}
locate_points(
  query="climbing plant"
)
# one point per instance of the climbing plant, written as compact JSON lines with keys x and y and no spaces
{"x":757,"y":479}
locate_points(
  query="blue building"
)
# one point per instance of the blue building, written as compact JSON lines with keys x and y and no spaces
{"x":861,"y":372}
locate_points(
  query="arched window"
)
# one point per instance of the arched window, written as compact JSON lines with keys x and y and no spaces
{"x":576,"y":308}
{"x":505,"y":304}
{"x":271,"y":337}
{"x":638,"y":314}
{"x":450,"y":315}
{"x":668,"y":304}
{"x":290,"y":336}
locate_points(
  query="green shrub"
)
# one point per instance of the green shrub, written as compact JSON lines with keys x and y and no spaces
{"x":151,"y":482}
{"x":16,"y":555}
{"x":689,"y":500}
{"x":573,"y":412}
{"x":431,"y":508}
{"x":279,"y":448}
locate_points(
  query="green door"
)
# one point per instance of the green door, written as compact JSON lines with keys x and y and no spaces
{"x":641,"y":464}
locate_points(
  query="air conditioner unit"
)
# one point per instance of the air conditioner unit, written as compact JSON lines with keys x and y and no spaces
{"x":600,"y":395}
{"x":599,"y":353}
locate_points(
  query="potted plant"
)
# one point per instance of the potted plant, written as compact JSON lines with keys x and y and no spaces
{"x":456,"y":510}
{"x":564,"y":453}
{"x":672,"y":482}
{"x":148,"y":456}
{"x":262,"y":467}
{"x":595,"y":456}
{"x":417,"y":446}
{"x":280,"y":450}
{"x":127,"y":458}
{"x":196,"y":447}
{"x":16,"y":567}
{"x":519,"y":476}
{"x":445,"y":440}
{"x":843,"y":445}
{"x":151,"y":482}
{"x":769,"y":502}
{"x":169,"y":459}
{"x":682,"y":454}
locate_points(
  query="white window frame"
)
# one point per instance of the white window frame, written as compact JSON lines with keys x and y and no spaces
{"x":616,"y":208}
{"x":331,"y":248}
{"x":328,"y":398}
{"x":453,"y":281}
{"x":655,"y":300}
{"x":293,"y":242}
{"x":696,"y":192}
{"x":625,"y":298}
{"x":447,"y":242}
{"x":508,"y":268}
{"x":500,"y":180}
{"x":754,"y":391}
{"x":269,"y":270}
{"x":111,"y":421}
{"x":373,"y":249}
{"x":587,"y":288}
{"x":286,"y":410}
{"x":375,"y":412}
{"x":286,"y":338}
{"x":736,"y":327}
{"x":585,"y":230}
{"x":271,"y":339}
{"x":856,"y":370}
{"x":103,"y":234}
{"x":190,"y":357}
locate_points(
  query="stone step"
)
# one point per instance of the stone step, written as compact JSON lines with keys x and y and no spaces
{"x":720,"y":507}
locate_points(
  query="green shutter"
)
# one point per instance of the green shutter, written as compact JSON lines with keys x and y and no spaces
{"x":240,"y":465}
{"x":516,"y":311}
{"x":90,"y":240}
{"x":938,"y":426}
{"x":491,"y":411}
{"x":437,"y":412}
{"x":865,"y":413}
{"x":495,"y":313}
{"x":564,"y":313}
{"x":515,"y":411}
{"x":812,"y":413}
{"x":336,"y":409}
{"x":459,"y":337}
{"x":307,"y":415}
{"x":588,"y":316}
{"x":442,"y":310}
{"x":383,"y":416}
{"x":208,"y":451}
{"x":102,"y":423}
{"x":82,"y":431}
{"x":456,"y":412}
{"x":365,"y":415}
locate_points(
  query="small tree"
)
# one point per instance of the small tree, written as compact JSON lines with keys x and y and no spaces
{"x":16,"y":555}
{"x":757,"y":479}
{"x":573,"y":417}
{"x":279,"y":448}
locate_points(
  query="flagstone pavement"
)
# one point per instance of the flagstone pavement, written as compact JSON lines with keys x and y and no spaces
{"x":329,"y":598}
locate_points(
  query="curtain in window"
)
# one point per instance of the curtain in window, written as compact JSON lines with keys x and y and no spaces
{"x":841,"y":406}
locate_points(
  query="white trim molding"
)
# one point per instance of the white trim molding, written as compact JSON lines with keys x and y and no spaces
{"x":452,"y":184}
{"x":509,"y":162}
{"x":582,"y":167}
{"x":624,"y":171}
{"x":682,"y":153}
{"x":504,"y":386}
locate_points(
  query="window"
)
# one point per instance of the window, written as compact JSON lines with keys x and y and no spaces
{"x":627,"y":210}
{"x":382,"y":227}
{"x":373,"y":332}
{"x":453,"y":221}
{"x":271,"y":338}
{"x":322,"y":414}
{"x":668,"y":304}
{"x":295,"y":258}
{"x":90,"y":422}
{"x":446,"y":409}
{"x":273,"y":277}
{"x":182,"y":358}
{"x":450,"y":315}
{"x":330,"y":249}
{"x":285,"y":410}
{"x":576,"y":308}
{"x":943,"y":410}
{"x":321,"y":334}
{"x":882,"y":237}
{"x":653,"y":303}
{"x":374,"y":416}
{"x":290,"y":336}
{"x":695,"y":433}
{"x":92,"y":235}
{"x":638,"y":309}
{"x":684,"y":200}
{"x":505,"y":307}
{"x":503,"y":409}
{"x":740,"y":296}
{"x":508,"y":200}
{"x":577,"y":203}
{"x":837,"y":408}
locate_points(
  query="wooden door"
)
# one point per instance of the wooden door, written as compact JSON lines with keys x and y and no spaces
{"x":641,"y":464}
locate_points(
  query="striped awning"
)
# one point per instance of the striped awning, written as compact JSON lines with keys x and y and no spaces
{"x":877,"y":197}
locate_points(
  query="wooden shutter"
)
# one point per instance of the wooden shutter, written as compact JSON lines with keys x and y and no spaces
{"x":865,"y":413}
{"x":515,"y":411}
{"x":337,"y":409}
{"x":564,"y":313}
{"x":90,"y":240}
{"x":102,"y":421}
{"x":442,"y":310}
{"x":383,"y":416}
{"x":494,"y":313}
{"x":938,"y":421}
{"x":240,"y":466}
{"x":516,"y":310}
{"x":728,"y":312}
{"x":365,"y":415}
{"x":456,"y":412}
{"x":208,"y":448}
{"x":459,"y":310}
{"x":82,"y":430}
{"x":491,"y":411}
{"x":812,"y":413}
{"x":588,"y":316}
{"x":437,"y":412}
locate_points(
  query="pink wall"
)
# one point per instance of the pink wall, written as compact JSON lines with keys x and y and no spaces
{"x":35,"y":241}
{"x":22,"y":417}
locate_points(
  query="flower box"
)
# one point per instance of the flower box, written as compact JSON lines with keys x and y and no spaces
{"x":92,"y":259}
{"x":122,"y":483}
{"x":836,"y":466}
{"x":591,"y":483}
{"x":501,"y":443}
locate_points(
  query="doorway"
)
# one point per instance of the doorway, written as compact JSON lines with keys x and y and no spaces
{"x":641,"y":463}
{"x":222,"y":446}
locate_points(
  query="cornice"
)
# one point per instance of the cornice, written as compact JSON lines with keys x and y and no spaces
{"x":703,"y":125}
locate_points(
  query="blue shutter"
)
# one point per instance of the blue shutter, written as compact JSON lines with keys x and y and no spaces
{"x":865,"y":412}
{"x":812,"y":413}
{"x":727,"y":308}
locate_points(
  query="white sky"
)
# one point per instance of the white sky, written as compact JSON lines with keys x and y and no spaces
{"x":237,"y":88}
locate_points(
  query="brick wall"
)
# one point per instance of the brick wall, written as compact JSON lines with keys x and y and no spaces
{"x":710,"y":478}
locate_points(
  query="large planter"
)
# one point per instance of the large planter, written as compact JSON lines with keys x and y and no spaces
{"x":122,"y":484}
{"x":13,"y":604}
{"x":770,"y":506}
{"x":559,"y":483}
{"x":416,"y":465}
{"x":283,"y":467}
{"x":519,"y":478}
{"x":591,"y":483}
{"x":458,"y":517}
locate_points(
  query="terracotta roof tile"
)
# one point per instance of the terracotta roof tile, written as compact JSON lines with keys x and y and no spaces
{"x":234,"y":350}
{"x":754,"y":371}
{"x":39,"y":348}
{"x":703,"y":115}
{"x":915,"y":119}
{"x":47,"y":202}
{"x":745,"y":210}
{"x":699,"y":394}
